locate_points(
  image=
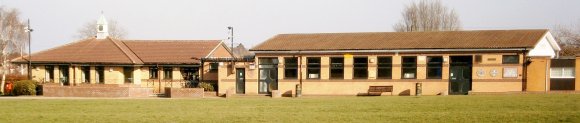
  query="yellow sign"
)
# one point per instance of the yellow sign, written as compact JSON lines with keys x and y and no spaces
{"x":347,"y":55}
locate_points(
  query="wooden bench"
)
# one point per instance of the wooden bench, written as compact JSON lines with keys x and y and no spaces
{"x":378,"y":90}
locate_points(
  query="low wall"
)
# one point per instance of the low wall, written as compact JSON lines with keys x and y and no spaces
{"x":95,"y":90}
{"x":184,"y":92}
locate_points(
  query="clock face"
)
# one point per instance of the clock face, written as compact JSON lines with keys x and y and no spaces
{"x":100,"y":27}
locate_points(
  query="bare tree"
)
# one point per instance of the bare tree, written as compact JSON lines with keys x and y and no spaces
{"x":89,"y":30}
{"x":568,"y":37}
{"x":428,"y":16}
{"x":12,"y":38}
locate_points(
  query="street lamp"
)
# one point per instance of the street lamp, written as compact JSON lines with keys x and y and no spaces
{"x":29,"y":30}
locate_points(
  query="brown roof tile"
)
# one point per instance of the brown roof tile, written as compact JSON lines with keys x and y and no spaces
{"x":171,"y":51}
{"x":403,"y":40}
{"x":113,"y":51}
{"x":85,"y":51}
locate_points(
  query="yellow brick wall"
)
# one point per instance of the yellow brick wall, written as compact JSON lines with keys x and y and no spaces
{"x":39,"y":73}
{"x":577,"y":72}
{"x":115,"y":76}
{"x":537,"y":71}
{"x":348,"y":86}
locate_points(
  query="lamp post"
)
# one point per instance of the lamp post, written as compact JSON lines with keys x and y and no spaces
{"x":29,"y":30}
{"x":231,"y":30}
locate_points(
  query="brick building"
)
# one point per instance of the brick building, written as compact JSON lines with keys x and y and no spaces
{"x":454,"y":62}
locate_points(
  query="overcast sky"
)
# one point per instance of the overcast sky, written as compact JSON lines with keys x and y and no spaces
{"x":55,"y":22}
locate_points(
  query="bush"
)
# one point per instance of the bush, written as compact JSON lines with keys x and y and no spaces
{"x":206,"y":86}
{"x":25,"y":87}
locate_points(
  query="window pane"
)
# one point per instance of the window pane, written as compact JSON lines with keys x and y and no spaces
{"x":360,"y":68}
{"x":336,"y":68}
{"x":568,"y":72}
{"x":434,"y":64}
{"x":409,"y":69}
{"x":510,"y":59}
{"x":291,"y":73}
{"x":385,"y":73}
{"x":409,"y":73}
{"x":337,"y":73}
{"x":291,"y":67}
{"x":313,"y":67}
{"x":434,"y":73}
{"x":384,"y":67}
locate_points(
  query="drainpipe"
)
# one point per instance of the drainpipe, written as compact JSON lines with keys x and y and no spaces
{"x":74,"y":75}
{"x":158,"y":77}
{"x":525,"y":72}
{"x":547,"y":75}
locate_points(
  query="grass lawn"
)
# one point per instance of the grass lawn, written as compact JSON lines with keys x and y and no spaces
{"x":477,"y":108}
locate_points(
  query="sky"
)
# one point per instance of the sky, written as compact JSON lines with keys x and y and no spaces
{"x":55,"y":22}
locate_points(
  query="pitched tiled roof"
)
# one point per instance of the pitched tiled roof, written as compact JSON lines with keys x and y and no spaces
{"x":176,"y":52}
{"x":86,"y":51}
{"x":113,"y":51}
{"x":484,"y":39}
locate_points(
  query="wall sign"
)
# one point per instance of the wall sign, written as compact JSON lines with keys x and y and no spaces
{"x":480,"y":72}
{"x":510,"y":72}
{"x":493,"y":72}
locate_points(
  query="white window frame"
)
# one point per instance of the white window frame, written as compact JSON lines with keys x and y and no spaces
{"x":562,"y":69}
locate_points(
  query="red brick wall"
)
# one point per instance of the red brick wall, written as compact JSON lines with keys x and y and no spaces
{"x":184,"y":92}
{"x":95,"y":90}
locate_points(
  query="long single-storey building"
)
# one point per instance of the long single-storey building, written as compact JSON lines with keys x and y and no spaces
{"x":142,"y":63}
{"x":396,"y":63}
{"x":446,"y":62}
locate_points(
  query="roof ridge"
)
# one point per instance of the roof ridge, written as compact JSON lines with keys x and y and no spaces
{"x":410,"y":32}
{"x":140,"y":59}
{"x":124,"y":52}
{"x":171,"y":40}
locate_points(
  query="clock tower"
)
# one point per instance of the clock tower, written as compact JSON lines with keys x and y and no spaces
{"x":102,"y":27}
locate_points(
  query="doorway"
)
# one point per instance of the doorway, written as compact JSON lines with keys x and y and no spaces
{"x":460,"y":74}
{"x":64,"y":74}
{"x":191,"y":76}
{"x":128,"y":73}
{"x":268,"y":75}
{"x":240,"y":81}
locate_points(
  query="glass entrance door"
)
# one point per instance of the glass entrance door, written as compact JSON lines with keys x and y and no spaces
{"x":240,"y":81}
{"x":460,"y":74}
{"x":268,"y":75}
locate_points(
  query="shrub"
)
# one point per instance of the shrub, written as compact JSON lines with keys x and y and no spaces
{"x":25,"y":87}
{"x":206,"y":86}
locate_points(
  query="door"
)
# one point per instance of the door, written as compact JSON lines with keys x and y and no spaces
{"x":460,"y":74}
{"x":268,"y":75}
{"x":240,"y":81}
{"x":460,"y":80}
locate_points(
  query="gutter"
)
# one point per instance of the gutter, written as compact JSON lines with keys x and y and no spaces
{"x":392,"y":51}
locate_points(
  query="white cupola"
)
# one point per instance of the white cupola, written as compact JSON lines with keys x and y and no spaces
{"x":102,"y":27}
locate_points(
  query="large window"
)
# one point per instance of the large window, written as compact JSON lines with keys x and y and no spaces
{"x":510,"y":59}
{"x":167,"y":73}
{"x":409,"y":69}
{"x":434,"y":67}
{"x":562,"y":72}
{"x":290,"y":68}
{"x":313,"y":66}
{"x":360,"y":70}
{"x":85,"y":74}
{"x":213,"y":67}
{"x":100,"y":75}
{"x":153,"y":73}
{"x":49,"y":73}
{"x":337,"y":68}
{"x":385,"y":67}
{"x":128,"y":72}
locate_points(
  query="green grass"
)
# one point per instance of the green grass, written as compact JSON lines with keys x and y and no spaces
{"x":485,"y":108}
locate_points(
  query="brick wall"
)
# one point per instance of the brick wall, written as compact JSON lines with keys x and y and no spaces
{"x":95,"y":90}
{"x":184,"y":92}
